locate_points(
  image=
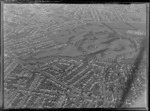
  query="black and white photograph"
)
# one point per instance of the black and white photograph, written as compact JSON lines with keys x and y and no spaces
{"x":75,"y":55}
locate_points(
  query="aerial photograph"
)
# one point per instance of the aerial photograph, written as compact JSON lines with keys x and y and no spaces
{"x":75,"y":55}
